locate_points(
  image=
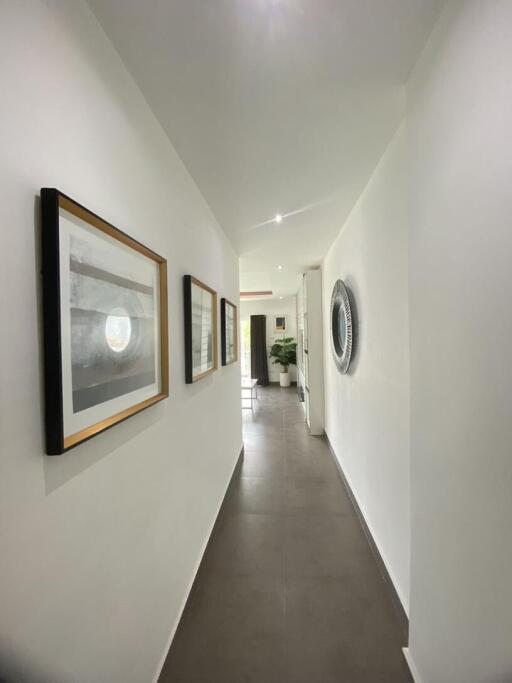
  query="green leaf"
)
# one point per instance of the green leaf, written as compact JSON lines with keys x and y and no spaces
{"x":284,"y":352}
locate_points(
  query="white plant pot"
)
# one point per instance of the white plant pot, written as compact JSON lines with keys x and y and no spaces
{"x":284,"y":379}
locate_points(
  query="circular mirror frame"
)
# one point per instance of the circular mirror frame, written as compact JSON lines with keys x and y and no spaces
{"x":340,"y":305}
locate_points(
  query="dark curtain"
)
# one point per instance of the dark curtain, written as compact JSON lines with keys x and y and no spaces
{"x":259,"y":365}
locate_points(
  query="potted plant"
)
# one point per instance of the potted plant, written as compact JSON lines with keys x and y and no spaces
{"x":284,"y":353}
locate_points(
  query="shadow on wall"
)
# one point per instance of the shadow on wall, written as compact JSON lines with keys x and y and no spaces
{"x":59,"y":469}
{"x":14,"y":668}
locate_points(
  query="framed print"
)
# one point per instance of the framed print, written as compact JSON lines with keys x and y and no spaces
{"x":200,"y":329}
{"x":280,"y":323}
{"x":228,"y":332}
{"x":105,"y":323}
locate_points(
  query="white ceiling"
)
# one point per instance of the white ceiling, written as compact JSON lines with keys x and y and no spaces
{"x":274,"y":106}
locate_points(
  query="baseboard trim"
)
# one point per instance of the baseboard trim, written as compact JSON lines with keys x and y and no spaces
{"x":399,"y":608}
{"x":194,"y":577}
{"x":412,"y":667}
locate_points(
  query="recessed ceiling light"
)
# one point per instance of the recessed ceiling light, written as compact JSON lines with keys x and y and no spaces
{"x":279,"y":267}
{"x":278,"y":218}
{"x":280,"y":297}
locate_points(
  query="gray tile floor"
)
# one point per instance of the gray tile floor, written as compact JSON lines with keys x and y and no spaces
{"x":288,"y":590}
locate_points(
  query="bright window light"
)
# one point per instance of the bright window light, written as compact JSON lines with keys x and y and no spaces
{"x":118,"y":330}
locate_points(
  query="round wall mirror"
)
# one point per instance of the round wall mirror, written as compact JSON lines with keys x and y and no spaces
{"x":341,"y":326}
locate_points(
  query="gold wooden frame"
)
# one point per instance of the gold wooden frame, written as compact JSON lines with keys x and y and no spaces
{"x":189,"y":370}
{"x":53,"y":200}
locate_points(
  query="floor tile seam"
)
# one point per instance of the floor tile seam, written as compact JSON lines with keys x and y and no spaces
{"x":304,"y":448}
{"x":312,"y":514}
{"x":289,"y":471}
{"x":250,"y":436}
{"x":263,"y":435}
{"x":272,"y":460}
{"x":298,"y":513}
{"x":279,"y":513}
{"x":257,"y":451}
{"x":244,"y":513}
{"x":264,"y":446}
{"x":326,"y":579}
{"x":263,"y":431}
{"x":215,"y":574}
{"x":314,"y":477}
{"x":283,"y":566}
{"x":334,"y":481}
{"x":269,"y":477}
{"x":263,"y":426}
{"x":288,"y":513}
{"x":251,"y":476}
{"x":291,"y":513}
{"x":256,"y":439}
{"x":300,"y":442}
{"x":304,"y":445}
{"x":311,"y":460}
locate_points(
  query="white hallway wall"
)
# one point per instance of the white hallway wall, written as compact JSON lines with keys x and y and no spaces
{"x":98,"y":547}
{"x":443,"y":184}
{"x":460,"y":145}
{"x":271,"y":308}
{"x":367,"y":410}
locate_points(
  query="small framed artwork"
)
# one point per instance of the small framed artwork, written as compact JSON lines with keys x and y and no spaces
{"x":201,"y":352}
{"x":228,"y":332}
{"x":105,"y":323}
{"x":280,"y":323}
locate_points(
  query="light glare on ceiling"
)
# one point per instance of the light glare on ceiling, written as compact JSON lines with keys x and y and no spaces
{"x":279,"y":267}
{"x":278,"y":218}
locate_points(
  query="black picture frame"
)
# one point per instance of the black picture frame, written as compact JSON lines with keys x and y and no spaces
{"x":223,"y":331}
{"x":190,"y":281}
{"x":57,"y":442}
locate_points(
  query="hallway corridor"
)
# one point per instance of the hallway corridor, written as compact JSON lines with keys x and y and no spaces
{"x":288,"y":590}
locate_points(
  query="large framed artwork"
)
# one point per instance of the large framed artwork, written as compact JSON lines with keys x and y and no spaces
{"x":105,"y":324}
{"x":201,"y":344}
{"x":228,"y":332}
